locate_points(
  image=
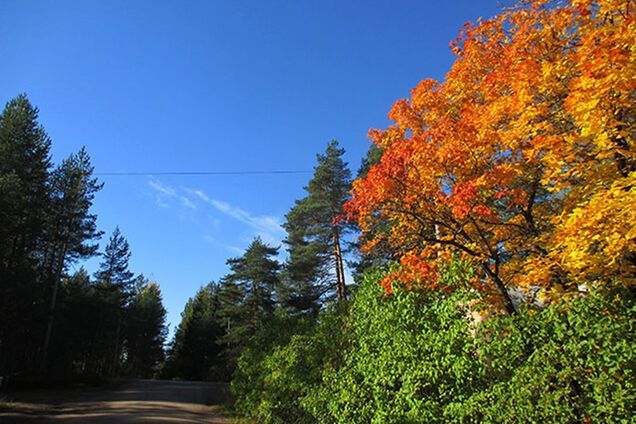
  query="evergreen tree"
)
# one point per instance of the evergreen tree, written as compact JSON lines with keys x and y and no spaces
{"x":24,"y":202}
{"x":70,"y":228}
{"x":246,"y":297}
{"x":24,"y":189}
{"x":145,"y":330}
{"x":194,"y":351}
{"x":315,"y":231}
{"x":113,"y":270}
{"x":115,"y":283}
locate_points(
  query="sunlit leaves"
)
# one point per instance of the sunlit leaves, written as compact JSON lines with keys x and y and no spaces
{"x":522,"y":159}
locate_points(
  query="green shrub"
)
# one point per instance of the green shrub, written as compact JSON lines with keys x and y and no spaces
{"x":571,"y":362}
{"x":284,"y":361}
{"x":411,"y":355}
{"x":414,"y":356}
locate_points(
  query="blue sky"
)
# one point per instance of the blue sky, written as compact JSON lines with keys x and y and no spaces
{"x":215,"y":86}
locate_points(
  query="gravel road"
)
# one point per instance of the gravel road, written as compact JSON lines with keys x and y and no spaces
{"x":134,"y":401}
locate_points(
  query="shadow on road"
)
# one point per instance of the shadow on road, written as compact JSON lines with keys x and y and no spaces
{"x":135,"y":401}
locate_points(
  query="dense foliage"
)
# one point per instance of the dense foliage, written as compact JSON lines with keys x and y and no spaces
{"x":284,"y":361}
{"x":415,"y":356}
{"x":497,"y":217}
{"x":521,"y":160}
{"x":55,"y":324}
{"x":505,"y":195}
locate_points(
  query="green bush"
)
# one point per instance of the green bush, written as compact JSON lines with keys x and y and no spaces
{"x":283,"y":362}
{"x":414,"y":356}
{"x":571,"y":362}
{"x":411,"y":355}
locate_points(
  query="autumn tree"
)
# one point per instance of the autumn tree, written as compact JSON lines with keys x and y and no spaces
{"x":521,"y":160}
{"x":314,"y":235}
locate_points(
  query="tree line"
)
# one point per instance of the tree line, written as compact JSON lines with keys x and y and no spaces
{"x":222,"y":319}
{"x":493,"y":275}
{"x":496,"y":220}
{"x":56,"y":323}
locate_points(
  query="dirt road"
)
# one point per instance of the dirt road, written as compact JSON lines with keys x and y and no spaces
{"x":134,"y":401}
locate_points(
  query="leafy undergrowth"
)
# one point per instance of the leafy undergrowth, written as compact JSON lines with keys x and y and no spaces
{"x":417,"y":356}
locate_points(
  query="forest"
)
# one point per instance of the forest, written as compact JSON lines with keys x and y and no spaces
{"x":479,"y":266}
{"x":56,"y":324}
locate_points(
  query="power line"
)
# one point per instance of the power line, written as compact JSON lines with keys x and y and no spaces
{"x":200,"y":173}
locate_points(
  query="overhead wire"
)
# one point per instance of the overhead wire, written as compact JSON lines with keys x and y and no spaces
{"x":199,"y":173}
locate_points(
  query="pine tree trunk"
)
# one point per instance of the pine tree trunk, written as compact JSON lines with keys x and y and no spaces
{"x":115,"y":367}
{"x":49,"y":325}
{"x":341,"y":287}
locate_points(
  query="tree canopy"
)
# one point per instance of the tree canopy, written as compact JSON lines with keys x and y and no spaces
{"x":522,"y":159}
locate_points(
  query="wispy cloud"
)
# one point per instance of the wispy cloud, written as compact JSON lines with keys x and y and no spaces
{"x":188,"y":203}
{"x":165,"y":194}
{"x":161,"y":193}
{"x":268,"y":227}
{"x":161,"y":188}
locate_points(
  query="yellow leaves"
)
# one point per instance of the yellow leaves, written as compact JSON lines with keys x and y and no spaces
{"x":594,"y":239}
{"x":521,"y":152}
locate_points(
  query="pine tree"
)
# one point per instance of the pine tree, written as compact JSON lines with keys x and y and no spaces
{"x":145,"y":330}
{"x":24,"y":203}
{"x":315,"y":231}
{"x":194,"y":350}
{"x":71,"y":230}
{"x":115,"y":282}
{"x":246,"y":297}
{"x":113,"y":270}
{"x":24,"y":189}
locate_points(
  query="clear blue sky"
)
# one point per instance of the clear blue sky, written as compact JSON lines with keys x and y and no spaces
{"x":215,"y":86}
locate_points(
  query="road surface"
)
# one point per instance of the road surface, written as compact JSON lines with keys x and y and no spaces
{"x":134,"y":401}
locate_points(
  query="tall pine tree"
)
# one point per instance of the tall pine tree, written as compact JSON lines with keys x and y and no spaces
{"x":24,"y":188}
{"x":315,"y":265}
{"x":71,"y":229}
{"x":115,"y":282}
{"x":24,"y":202}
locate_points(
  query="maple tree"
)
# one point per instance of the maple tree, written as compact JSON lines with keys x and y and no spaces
{"x":521,"y":160}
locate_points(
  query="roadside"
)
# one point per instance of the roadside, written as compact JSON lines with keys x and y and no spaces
{"x":134,"y":401}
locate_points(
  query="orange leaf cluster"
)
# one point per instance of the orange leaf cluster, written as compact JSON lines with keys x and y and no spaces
{"x":522,"y":160}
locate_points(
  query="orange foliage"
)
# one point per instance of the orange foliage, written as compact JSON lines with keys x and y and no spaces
{"x":522,"y":159}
